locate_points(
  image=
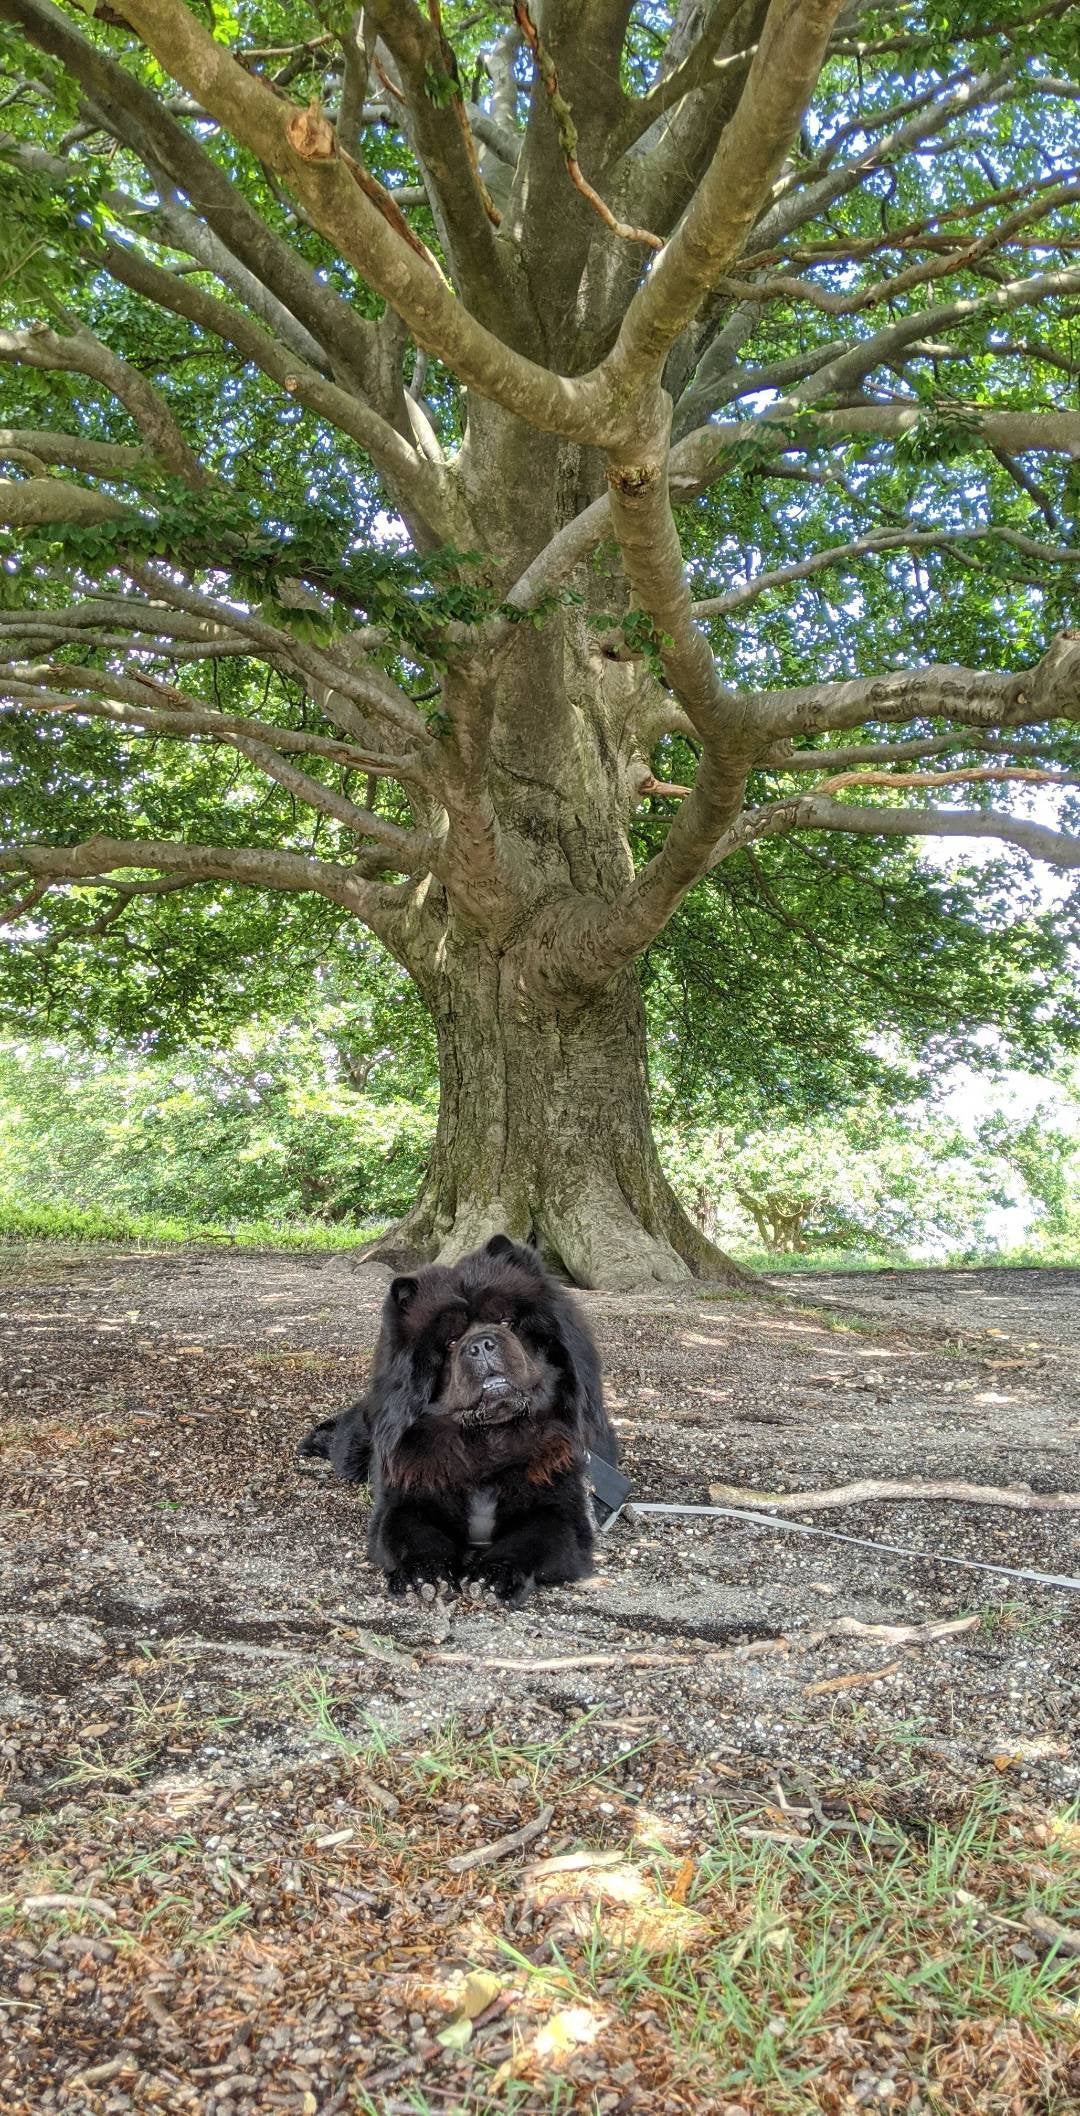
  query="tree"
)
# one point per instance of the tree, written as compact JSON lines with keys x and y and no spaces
{"x":890,"y":1181}
{"x":267,"y":1128}
{"x":716,"y":362}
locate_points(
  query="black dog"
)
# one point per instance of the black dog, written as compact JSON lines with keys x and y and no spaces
{"x":485,"y":1400}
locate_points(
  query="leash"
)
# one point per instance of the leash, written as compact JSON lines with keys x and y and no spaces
{"x":833,"y":1535}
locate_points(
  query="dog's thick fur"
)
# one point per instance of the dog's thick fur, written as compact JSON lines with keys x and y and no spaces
{"x":485,"y":1399}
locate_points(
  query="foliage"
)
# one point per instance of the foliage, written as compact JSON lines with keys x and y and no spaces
{"x":260,"y":484}
{"x":305,"y":1133}
{"x":876,"y":1181}
{"x":24,"y":1219}
{"x":802,"y":976}
{"x":269,"y":1131}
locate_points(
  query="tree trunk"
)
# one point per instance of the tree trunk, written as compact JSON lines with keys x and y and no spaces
{"x":544,"y":1133}
{"x":544,"y":1126}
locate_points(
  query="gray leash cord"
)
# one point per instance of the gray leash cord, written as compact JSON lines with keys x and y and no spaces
{"x":833,"y":1535}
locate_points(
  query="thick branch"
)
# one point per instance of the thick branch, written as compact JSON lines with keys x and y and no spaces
{"x":35,"y":503}
{"x":819,"y":812}
{"x":102,"y":459}
{"x":975,"y":697}
{"x":80,"y":353}
{"x":255,"y":867}
{"x":652,"y":554}
{"x":727,"y":201}
{"x":305,"y":155}
{"x":443,"y":143}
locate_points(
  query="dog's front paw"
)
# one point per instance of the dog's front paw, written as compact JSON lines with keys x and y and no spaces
{"x":507,"y":1580}
{"x":426,"y":1577}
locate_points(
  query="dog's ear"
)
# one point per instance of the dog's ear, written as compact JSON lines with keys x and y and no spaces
{"x":403,"y":1292}
{"x":500,"y":1245}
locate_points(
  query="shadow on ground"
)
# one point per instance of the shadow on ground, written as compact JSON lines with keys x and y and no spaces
{"x":187,"y":1611}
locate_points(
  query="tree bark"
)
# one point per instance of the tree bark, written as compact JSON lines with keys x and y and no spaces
{"x":544,"y":1134}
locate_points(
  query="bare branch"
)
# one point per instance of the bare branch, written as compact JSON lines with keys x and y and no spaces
{"x":134,"y":115}
{"x":876,"y":541}
{"x":859,"y":754}
{"x":429,"y":499}
{"x":567,"y":131}
{"x":692,"y":71}
{"x":339,"y":686}
{"x":963,"y":257}
{"x":255,"y":867}
{"x":80,"y":353}
{"x":813,"y":812}
{"x":966,"y":775}
{"x":29,"y":691}
{"x":922,"y":117}
{"x":144,"y":701}
{"x":883,"y":346}
{"x":702,"y":457}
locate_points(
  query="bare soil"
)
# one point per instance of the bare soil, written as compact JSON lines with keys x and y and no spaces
{"x":187,"y":1613}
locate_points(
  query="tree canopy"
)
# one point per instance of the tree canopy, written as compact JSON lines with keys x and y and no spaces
{"x":554,"y":484}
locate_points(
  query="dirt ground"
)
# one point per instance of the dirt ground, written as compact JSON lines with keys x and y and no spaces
{"x":186,"y":1610}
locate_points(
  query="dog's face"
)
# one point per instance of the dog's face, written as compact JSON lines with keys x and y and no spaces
{"x":479,"y":1344}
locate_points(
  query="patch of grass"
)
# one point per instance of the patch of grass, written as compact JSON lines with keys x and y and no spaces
{"x":809,"y":1969}
{"x":999,"y":1620}
{"x":321,"y":1707}
{"x":318,"y":1705}
{"x":774,"y":1264}
{"x":23,"y":1220}
{"x":90,"y":1767}
{"x":707,"y":1955}
{"x":1054,"y":1252}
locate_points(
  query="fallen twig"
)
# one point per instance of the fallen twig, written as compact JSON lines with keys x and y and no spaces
{"x":487,"y":1854}
{"x":896,"y":1634}
{"x":33,"y":1906}
{"x":852,"y":1682}
{"x":99,"y":2074}
{"x":1047,"y":1930}
{"x":1019,"y":1496}
{"x":614,"y":1660}
{"x":572,"y":1862}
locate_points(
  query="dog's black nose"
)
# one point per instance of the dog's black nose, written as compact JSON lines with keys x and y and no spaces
{"x":481,"y":1348}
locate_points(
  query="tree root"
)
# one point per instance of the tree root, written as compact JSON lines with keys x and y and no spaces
{"x":595,"y":1239}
